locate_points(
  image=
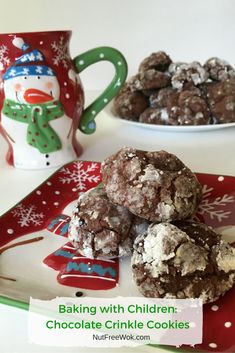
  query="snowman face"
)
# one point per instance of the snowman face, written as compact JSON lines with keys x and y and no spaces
{"x":32,"y":89}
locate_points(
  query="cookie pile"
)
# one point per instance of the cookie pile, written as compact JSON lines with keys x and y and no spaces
{"x":145,"y":206}
{"x":102,"y":229}
{"x":175,"y":93}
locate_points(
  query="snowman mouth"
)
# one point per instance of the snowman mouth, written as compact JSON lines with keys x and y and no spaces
{"x":33,"y":95}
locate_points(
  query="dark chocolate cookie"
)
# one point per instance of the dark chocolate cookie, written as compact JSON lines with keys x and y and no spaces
{"x":129,"y":103}
{"x":157,"y":116}
{"x":155,"y":186}
{"x":174,"y":66}
{"x":193,"y":73}
{"x":152,"y":79}
{"x":99,"y":228}
{"x":159,"y":61}
{"x":221,"y":100}
{"x":218,"y":69}
{"x":184,"y":260}
{"x":149,"y":80}
{"x":172,"y":107}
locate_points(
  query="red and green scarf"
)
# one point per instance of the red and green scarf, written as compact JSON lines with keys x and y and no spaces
{"x":39,"y":133}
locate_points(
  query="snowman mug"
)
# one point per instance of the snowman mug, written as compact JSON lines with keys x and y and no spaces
{"x":42,"y":98}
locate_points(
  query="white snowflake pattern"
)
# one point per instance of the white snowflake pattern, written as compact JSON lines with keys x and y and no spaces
{"x":61,"y":52}
{"x":4,"y":59}
{"x":27,"y":215}
{"x":80,"y":175}
{"x":214,"y":207}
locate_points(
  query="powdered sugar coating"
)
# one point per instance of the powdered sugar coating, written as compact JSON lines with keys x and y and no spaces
{"x":99,"y":228}
{"x":158,"y":76}
{"x":193,"y":72}
{"x":172,"y":69}
{"x":225,"y":256}
{"x":157,"y":116}
{"x":172,"y":107}
{"x":153,"y":79}
{"x":153,"y":185}
{"x":183,"y":260}
{"x":129,"y":103}
{"x":218,"y":69}
{"x":221,"y":99}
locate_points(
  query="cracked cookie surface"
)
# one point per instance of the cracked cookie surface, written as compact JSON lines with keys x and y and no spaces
{"x":183,"y":260}
{"x":99,"y":228}
{"x":221,"y":98}
{"x":155,"y":186}
{"x":172,"y":107}
{"x":218,"y":69}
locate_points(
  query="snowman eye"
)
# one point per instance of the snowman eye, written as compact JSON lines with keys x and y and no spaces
{"x":39,"y":77}
{"x":25,"y":77}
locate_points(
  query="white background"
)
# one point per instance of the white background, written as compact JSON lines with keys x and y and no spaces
{"x":187,"y":30}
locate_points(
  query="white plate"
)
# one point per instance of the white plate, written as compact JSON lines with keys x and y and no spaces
{"x":170,"y":128}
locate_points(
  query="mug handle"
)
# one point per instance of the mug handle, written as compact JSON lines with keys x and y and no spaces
{"x":87,"y":122}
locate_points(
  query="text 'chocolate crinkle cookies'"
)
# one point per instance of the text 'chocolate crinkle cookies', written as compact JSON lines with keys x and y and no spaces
{"x":155,"y":186}
{"x":185,"y":260}
{"x":99,"y":228}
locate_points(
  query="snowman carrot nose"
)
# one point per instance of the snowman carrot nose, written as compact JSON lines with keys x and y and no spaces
{"x":34,"y":96}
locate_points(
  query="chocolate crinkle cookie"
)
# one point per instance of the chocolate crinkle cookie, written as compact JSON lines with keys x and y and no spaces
{"x":174,"y":67}
{"x":218,"y":69}
{"x":99,"y":228}
{"x":172,"y":107}
{"x":148,"y":81}
{"x":155,"y":186}
{"x":183,"y":260}
{"x":153,"y":73}
{"x":221,"y":99}
{"x":178,"y":93}
{"x":152,"y":79}
{"x":159,"y":61}
{"x":129,"y":104}
{"x":193,"y":73}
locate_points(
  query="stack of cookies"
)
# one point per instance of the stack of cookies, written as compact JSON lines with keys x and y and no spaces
{"x":175,"y":93}
{"x":145,"y":207}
